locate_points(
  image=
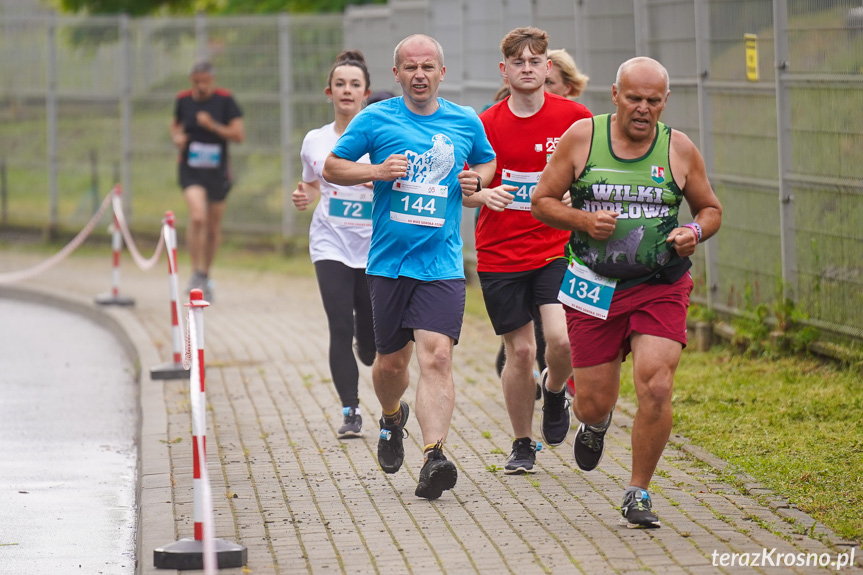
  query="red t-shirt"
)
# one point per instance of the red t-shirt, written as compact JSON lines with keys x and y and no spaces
{"x":513,"y":240}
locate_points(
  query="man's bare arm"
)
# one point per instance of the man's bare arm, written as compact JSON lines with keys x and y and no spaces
{"x":703,"y":203}
{"x":234,"y":131}
{"x":494,"y":198}
{"x":178,"y":134}
{"x":565,"y":164}
{"x":344,"y":172}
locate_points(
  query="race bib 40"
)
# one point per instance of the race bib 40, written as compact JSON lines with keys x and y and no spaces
{"x":526,"y":184}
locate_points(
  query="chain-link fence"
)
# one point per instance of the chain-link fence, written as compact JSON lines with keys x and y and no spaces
{"x":771,"y":92}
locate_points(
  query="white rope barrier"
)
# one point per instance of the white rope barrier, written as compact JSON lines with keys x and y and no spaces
{"x":143,"y":264}
{"x":113,"y":198}
{"x":11,"y":277}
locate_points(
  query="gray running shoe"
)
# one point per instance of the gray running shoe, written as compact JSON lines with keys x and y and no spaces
{"x":637,"y":510}
{"x":208,"y":290}
{"x":437,"y":475}
{"x":589,"y":444}
{"x":523,"y":456}
{"x":353,"y":424}
{"x":556,"y":416}
{"x":391,"y":450}
{"x":197,"y":281}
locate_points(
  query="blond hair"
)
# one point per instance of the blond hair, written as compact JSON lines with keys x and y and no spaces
{"x":575,"y":80}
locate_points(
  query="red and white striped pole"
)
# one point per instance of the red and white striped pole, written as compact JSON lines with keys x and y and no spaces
{"x":199,"y":403}
{"x":204,"y":551}
{"x":173,"y":369}
{"x":114,"y":298}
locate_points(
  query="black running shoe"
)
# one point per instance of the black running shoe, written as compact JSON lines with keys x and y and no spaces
{"x":391,"y":450}
{"x":353,"y":423}
{"x":555,"y":414}
{"x":637,"y":510}
{"x":523,"y":456}
{"x":500,"y":360}
{"x":437,"y":475}
{"x":367,"y":356}
{"x":589,"y":444}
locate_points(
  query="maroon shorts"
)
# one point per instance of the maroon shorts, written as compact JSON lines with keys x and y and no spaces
{"x":650,"y":309}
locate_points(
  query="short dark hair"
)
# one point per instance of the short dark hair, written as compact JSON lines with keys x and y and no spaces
{"x":380,"y":96}
{"x":202,"y":66}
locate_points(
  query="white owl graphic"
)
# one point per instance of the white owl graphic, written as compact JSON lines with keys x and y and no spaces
{"x":432,"y":166}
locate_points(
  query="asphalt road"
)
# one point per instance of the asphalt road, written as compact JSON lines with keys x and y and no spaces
{"x":68,"y":418}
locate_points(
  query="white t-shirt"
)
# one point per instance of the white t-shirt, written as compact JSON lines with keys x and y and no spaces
{"x":343,"y":236}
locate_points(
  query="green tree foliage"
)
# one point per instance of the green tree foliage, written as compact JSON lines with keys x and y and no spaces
{"x":150,"y":7}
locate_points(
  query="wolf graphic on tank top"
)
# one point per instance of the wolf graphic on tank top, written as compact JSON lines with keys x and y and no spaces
{"x":642,"y":191}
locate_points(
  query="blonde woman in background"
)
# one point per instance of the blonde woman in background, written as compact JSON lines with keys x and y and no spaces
{"x":564,"y":79}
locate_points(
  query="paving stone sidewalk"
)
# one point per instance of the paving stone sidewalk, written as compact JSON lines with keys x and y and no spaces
{"x":302,"y":501}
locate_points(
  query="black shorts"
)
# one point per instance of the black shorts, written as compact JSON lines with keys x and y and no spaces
{"x":215,"y":181}
{"x":399,"y":306}
{"x":512,"y":299}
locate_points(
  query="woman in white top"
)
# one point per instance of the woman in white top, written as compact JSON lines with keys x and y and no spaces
{"x":339,"y":238}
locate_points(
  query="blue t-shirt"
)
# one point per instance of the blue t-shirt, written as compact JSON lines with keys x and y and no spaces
{"x":437,"y":147}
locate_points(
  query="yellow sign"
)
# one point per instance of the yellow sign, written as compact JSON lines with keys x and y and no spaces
{"x":751,"y":43}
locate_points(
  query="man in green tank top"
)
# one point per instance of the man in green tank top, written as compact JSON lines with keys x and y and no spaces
{"x":627,"y":287}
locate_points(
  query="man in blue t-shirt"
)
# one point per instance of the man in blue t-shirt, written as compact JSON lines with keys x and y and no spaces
{"x":418,"y":145}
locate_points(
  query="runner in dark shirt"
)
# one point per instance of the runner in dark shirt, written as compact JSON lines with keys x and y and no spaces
{"x":205,"y":119}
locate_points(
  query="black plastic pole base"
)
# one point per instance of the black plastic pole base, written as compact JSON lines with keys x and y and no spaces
{"x":111,"y":299}
{"x":169,"y":370}
{"x":189,"y":554}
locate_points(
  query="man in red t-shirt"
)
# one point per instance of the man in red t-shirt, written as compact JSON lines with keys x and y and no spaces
{"x":519,"y":258}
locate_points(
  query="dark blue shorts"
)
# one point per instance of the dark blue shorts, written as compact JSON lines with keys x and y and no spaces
{"x":401,"y":305}
{"x":512,"y":299}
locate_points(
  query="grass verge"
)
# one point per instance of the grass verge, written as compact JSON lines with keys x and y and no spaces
{"x":791,"y":422}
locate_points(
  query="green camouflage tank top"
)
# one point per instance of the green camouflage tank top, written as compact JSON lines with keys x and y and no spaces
{"x":645,"y":195}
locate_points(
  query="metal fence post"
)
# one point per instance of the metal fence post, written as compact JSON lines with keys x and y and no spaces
{"x":126,"y":112}
{"x":4,"y":210}
{"x":201,"y":34}
{"x":51,"y":123}
{"x":285,"y":89}
{"x":642,"y":28}
{"x":705,"y":131}
{"x":783,"y":147}
{"x":582,"y":56}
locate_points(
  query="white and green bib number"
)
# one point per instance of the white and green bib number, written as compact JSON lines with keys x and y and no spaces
{"x":419,"y":204}
{"x":204,"y":155}
{"x":586,"y":291}
{"x":526,"y":184}
{"x":351,"y":207}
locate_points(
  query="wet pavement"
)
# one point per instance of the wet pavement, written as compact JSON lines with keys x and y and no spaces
{"x":68,"y":417}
